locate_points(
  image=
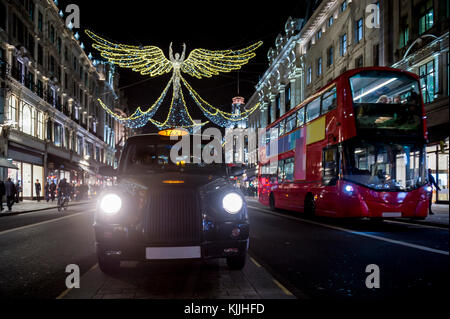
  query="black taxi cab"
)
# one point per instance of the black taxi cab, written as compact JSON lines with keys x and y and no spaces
{"x":162,"y":208}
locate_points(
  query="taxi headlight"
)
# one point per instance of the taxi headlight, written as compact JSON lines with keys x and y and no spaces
{"x":232,"y":203}
{"x":110,"y":204}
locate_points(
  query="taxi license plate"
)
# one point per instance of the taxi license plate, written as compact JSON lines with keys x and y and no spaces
{"x":392,"y":214}
{"x":173,"y":252}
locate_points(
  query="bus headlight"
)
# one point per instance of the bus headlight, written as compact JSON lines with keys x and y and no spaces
{"x":429,"y":189}
{"x":232,"y":203}
{"x":110,"y":204}
{"x":349,"y":189}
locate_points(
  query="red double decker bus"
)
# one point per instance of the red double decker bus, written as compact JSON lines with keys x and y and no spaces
{"x":356,"y":148}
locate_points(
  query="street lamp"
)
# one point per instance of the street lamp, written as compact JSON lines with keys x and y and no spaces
{"x":419,"y":39}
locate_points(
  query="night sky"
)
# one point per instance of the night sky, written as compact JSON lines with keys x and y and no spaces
{"x":214,"y":25}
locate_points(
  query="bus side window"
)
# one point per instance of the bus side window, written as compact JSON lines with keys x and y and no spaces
{"x":301,"y":117}
{"x":330,"y":166}
{"x":281,"y":171}
{"x":329,"y":100}
{"x":289,"y":170}
{"x":313,"y":110}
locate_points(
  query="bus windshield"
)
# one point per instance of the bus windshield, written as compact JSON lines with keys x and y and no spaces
{"x":386,"y":100}
{"x":385,"y":166}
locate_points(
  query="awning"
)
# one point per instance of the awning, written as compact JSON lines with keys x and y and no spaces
{"x":87,"y":169}
{"x":5,"y":163}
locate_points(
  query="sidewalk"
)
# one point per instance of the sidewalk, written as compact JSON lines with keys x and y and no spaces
{"x":440,"y":216}
{"x":28,"y":206}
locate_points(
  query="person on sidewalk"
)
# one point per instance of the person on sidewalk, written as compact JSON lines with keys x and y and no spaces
{"x":18,"y":189}
{"x":2,"y":193}
{"x":10,"y":191}
{"x":432,"y":183}
{"x":47,"y":191}
{"x":37,"y":187}
{"x":52,"y":190}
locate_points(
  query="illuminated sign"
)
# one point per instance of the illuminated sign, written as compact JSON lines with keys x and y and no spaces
{"x":173,"y":132}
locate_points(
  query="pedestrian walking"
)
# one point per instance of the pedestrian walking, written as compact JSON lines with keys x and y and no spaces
{"x":47,"y":191}
{"x":2,"y":193}
{"x":18,"y":190}
{"x":37,"y":187}
{"x":432,"y":183}
{"x":10,"y":192}
{"x":52,"y":190}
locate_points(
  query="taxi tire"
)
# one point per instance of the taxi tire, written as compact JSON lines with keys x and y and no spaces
{"x":108,"y":265}
{"x":236,"y":262}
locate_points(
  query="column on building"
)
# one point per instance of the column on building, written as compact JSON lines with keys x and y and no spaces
{"x":273,"y":108}
{"x":282,"y":92}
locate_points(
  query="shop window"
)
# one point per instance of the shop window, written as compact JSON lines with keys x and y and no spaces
{"x":428,"y":78}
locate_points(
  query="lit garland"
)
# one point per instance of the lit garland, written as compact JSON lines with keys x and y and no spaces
{"x":150,"y":60}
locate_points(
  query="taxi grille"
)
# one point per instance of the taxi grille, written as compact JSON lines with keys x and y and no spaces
{"x":173,"y":216}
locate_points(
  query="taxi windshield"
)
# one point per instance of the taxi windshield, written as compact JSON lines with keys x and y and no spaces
{"x":153,"y":157}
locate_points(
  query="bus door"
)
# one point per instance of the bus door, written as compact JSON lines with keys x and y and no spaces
{"x":329,"y":195}
{"x":286,"y":196}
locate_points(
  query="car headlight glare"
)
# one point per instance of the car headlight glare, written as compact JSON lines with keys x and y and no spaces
{"x":111,"y":204}
{"x":232,"y":203}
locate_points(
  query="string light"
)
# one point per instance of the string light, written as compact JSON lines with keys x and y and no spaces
{"x":150,"y":60}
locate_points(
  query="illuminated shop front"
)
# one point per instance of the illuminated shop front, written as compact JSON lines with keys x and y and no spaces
{"x":30,"y":168}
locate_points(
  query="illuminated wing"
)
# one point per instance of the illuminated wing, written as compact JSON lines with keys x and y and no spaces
{"x":206,"y":63}
{"x":148,"y":60}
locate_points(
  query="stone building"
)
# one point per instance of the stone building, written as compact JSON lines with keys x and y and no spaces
{"x":51,"y":123}
{"x":416,"y":39}
{"x":340,"y":35}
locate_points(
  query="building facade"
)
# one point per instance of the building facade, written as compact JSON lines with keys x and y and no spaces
{"x":342,"y":34}
{"x":416,"y":39}
{"x":52,"y":126}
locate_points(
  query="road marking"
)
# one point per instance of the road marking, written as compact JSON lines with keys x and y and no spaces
{"x":415,"y":224}
{"x":4,"y":232}
{"x":255,"y":262}
{"x":392,"y":241}
{"x":283,"y":288}
{"x":65,"y":292}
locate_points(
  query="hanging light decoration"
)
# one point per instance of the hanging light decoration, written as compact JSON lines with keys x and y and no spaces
{"x":201,"y":63}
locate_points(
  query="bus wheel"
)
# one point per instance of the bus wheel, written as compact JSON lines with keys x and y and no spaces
{"x":272,"y":201}
{"x":310,"y":205}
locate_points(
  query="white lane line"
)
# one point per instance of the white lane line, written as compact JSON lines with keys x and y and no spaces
{"x":4,"y":232}
{"x":392,"y":241}
{"x":415,"y":224}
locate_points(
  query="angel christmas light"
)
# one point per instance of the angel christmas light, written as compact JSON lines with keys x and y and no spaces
{"x":201,"y":63}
